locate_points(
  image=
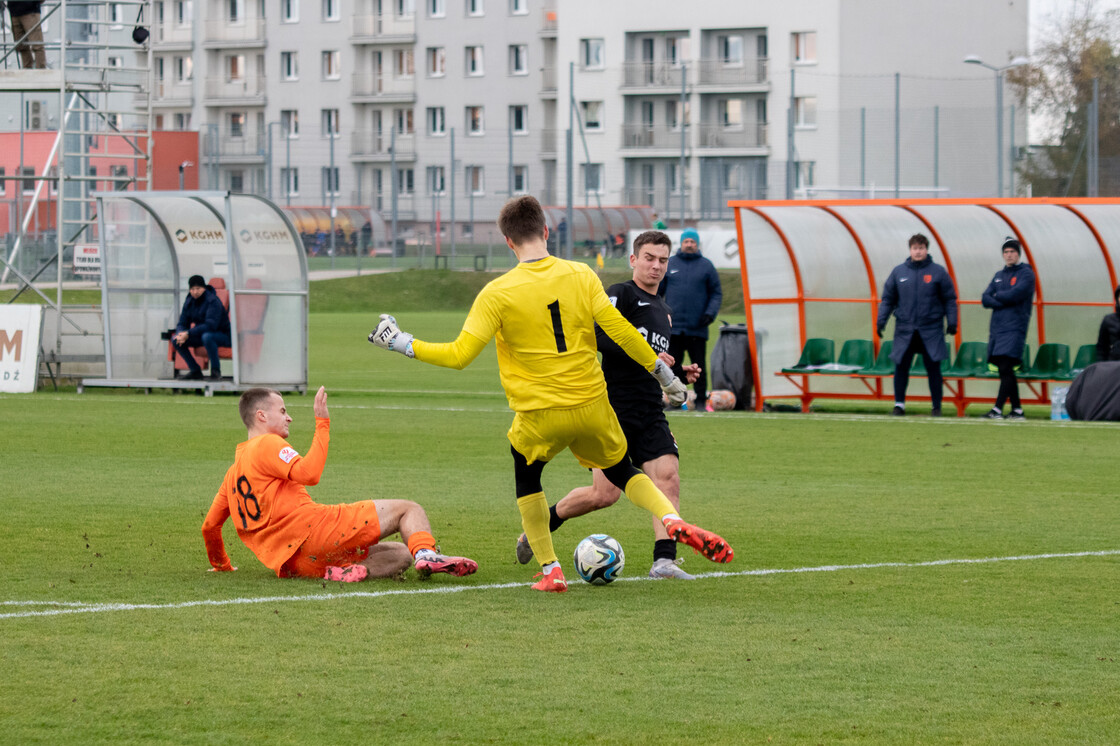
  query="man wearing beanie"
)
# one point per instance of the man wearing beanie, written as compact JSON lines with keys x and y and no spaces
{"x":691,"y":288}
{"x":204,"y":322}
{"x":1009,"y":295}
{"x":921,"y":295}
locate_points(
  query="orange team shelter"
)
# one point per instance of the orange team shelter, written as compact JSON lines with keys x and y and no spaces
{"x":816,"y":268}
{"x":106,"y":155}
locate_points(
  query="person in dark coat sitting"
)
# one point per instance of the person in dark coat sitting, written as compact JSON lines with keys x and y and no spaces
{"x":1009,"y":295}
{"x":921,"y":295}
{"x":1108,"y":340}
{"x":202,"y":308}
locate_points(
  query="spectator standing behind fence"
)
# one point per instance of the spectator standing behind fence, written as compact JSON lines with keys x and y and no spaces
{"x":1009,"y":295}
{"x":1108,"y":340}
{"x":25,"y":21}
{"x":692,"y":289}
{"x":920,"y":294}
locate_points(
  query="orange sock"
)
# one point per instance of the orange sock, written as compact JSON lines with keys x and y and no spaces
{"x":421,"y":540}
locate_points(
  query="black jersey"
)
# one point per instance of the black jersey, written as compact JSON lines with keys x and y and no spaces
{"x":627,"y":381}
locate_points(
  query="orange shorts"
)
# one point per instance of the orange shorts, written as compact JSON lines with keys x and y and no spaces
{"x":343,"y":540}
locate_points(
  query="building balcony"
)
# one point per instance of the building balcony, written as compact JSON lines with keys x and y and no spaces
{"x":548,"y":81}
{"x":651,"y":136}
{"x":245,"y":33}
{"x":550,"y":22}
{"x":373,"y":87}
{"x":383,"y":29}
{"x":549,"y":139}
{"x":248,"y":91}
{"x":234,"y":146}
{"x":652,"y":75}
{"x":752,"y":135}
{"x":171,"y":93}
{"x":746,"y":74}
{"x":169,"y":34}
{"x":372,"y":146}
{"x":666,"y":202}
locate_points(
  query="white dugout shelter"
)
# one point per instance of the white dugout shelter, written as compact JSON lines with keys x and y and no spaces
{"x":152,"y":242}
{"x":815,"y":269}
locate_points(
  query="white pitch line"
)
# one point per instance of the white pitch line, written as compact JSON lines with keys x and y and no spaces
{"x":78,"y":607}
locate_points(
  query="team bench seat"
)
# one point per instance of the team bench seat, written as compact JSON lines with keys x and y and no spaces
{"x":250,"y":319}
{"x":1052,"y":364}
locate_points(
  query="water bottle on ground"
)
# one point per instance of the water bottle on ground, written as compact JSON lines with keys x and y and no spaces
{"x":1058,"y":404}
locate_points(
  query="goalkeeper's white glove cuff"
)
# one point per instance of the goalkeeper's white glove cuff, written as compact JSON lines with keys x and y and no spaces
{"x":388,"y":335}
{"x":663,"y":373}
{"x":402,"y":343}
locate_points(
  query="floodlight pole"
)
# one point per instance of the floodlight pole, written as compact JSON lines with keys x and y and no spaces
{"x":973,"y":59}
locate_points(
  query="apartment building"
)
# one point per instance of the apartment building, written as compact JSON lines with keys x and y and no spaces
{"x":452,"y":105}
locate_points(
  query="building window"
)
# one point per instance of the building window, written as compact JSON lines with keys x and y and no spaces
{"x":592,"y":174}
{"x":435,"y":180}
{"x":27,"y":186}
{"x":474,"y":61}
{"x":235,"y":68}
{"x":183,"y":121}
{"x":236,"y":11}
{"x":120,"y":177}
{"x":332,"y":65}
{"x":289,"y":177}
{"x":437,"y":124}
{"x":592,"y":115}
{"x":731,"y":113}
{"x":3,"y":182}
{"x":405,"y":181}
{"x":805,"y":174}
{"x":519,"y":119}
{"x":403,"y":119}
{"x":237,"y":124}
{"x":117,"y":62}
{"x":236,"y":181}
{"x":519,"y":7}
{"x":475,"y":8}
{"x":518,"y":59}
{"x":805,"y":111}
{"x":437,"y":62}
{"x":330,"y":122}
{"x":730,"y":50}
{"x":475,"y":182}
{"x":520,"y":179}
{"x":289,"y":11}
{"x":330,"y":180}
{"x":406,"y":8}
{"x":591,"y":54}
{"x":676,"y":50}
{"x":403,"y":63}
{"x":476,"y":124}
{"x":184,"y":69}
{"x":289,"y":65}
{"x":437,"y":8}
{"x":184,"y":12}
{"x":330,"y":10}
{"x":804,"y":47}
{"x":289,"y":123}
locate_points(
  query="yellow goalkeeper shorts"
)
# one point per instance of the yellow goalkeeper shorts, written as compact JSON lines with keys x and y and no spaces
{"x":591,"y":432}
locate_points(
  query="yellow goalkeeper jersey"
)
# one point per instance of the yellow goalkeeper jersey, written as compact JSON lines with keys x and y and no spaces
{"x":543,"y":315}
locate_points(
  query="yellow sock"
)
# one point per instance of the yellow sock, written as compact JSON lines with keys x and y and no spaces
{"x":534,"y":521}
{"x":641,"y":491}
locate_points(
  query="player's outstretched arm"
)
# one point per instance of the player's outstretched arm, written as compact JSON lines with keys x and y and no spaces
{"x":390,"y":337}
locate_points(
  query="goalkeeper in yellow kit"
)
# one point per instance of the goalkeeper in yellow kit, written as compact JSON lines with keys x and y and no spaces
{"x":543,"y":313}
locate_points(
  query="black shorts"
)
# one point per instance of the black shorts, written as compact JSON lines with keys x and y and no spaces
{"x":647,"y":434}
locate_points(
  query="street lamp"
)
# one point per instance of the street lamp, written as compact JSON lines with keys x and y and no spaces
{"x":973,"y":59}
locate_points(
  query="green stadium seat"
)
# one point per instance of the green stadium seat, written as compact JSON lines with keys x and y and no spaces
{"x":818,"y":351}
{"x":855,"y":355}
{"x":1086,"y":356}
{"x":883,"y":366}
{"x":1051,"y":364}
{"x":971,"y":361}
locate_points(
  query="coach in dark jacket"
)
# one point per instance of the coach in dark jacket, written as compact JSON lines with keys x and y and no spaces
{"x":1108,"y":339}
{"x":202,"y":308}
{"x":1009,"y":295}
{"x":692,"y":289}
{"x":921,"y":295}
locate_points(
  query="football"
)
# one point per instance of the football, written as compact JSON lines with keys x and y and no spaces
{"x":721,"y":400}
{"x":599,"y":559}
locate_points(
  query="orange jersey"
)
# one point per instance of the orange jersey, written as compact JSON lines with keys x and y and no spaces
{"x":264,"y":492}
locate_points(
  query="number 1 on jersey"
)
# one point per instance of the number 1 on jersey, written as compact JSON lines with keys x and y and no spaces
{"x":557,"y":326}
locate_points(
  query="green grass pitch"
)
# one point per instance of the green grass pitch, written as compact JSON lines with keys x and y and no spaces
{"x":896,"y":580}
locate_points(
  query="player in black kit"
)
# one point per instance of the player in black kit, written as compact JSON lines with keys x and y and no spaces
{"x":638,"y":405}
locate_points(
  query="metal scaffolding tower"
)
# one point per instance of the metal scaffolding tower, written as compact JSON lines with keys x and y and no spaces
{"x":99,"y":64}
